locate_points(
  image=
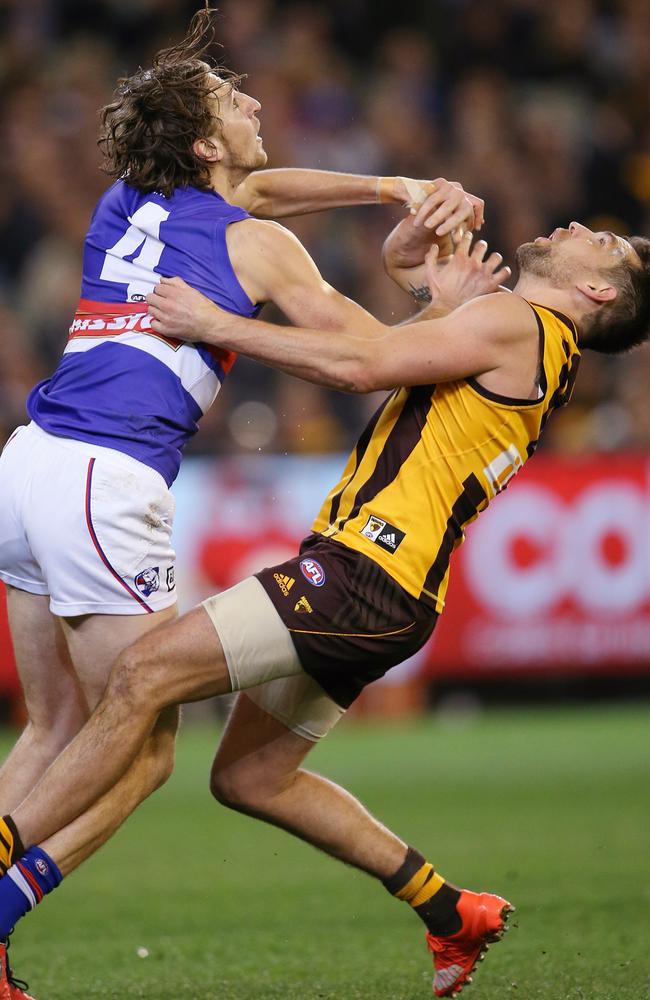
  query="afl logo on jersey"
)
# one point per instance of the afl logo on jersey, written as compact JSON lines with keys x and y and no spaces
{"x":313,"y":571}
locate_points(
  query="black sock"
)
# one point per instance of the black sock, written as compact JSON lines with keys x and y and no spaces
{"x":433,"y":899}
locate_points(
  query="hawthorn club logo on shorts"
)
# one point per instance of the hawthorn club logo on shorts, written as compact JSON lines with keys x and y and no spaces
{"x":303,"y":606}
{"x":383,"y":534}
{"x":313,"y":571}
{"x":148,"y":580}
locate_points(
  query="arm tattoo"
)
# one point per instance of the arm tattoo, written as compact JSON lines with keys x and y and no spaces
{"x":422,"y":294}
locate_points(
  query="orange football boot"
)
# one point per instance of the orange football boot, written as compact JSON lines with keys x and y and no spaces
{"x":17,"y":993}
{"x":455,"y":957}
{"x":10,"y":988}
{"x":5,"y":989}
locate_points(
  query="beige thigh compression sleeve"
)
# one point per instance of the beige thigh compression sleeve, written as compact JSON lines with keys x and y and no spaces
{"x":300,"y":704}
{"x":255,"y":640}
{"x":262,"y":660}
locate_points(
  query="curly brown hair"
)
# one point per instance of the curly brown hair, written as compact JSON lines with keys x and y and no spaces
{"x":157,"y":114}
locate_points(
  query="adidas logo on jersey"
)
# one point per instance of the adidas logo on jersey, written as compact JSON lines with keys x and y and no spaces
{"x":382,"y":533}
{"x":285,"y":583}
{"x":303,"y":605}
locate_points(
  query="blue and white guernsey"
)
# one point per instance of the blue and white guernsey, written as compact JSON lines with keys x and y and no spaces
{"x":119,"y":384}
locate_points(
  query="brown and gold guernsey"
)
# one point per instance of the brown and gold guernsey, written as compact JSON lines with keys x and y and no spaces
{"x":433,"y":457}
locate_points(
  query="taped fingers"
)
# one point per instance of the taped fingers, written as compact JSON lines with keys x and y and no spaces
{"x":417,"y":192}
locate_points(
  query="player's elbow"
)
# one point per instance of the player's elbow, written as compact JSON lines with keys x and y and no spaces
{"x":367,"y":374}
{"x":353,"y":376}
{"x":362,"y":371}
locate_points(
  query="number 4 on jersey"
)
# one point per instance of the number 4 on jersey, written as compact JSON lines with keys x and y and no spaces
{"x":143,"y":235}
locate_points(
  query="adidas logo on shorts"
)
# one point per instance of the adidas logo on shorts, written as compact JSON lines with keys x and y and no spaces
{"x":285,"y":583}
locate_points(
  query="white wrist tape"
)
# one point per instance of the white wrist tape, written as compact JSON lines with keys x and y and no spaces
{"x":417,"y":192}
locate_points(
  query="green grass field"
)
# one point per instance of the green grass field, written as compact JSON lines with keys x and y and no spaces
{"x":548,"y":808}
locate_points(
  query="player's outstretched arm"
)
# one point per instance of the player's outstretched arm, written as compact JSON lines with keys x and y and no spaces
{"x":275,"y":194}
{"x":273,"y":266}
{"x":365,"y":355}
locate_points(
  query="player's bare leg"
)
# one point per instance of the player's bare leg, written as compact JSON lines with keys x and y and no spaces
{"x":56,"y":703}
{"x":151,"y":768}
{"x":257,"y":770}
{"x":64,"y":665}
{"x":95,"y":642}
{"x":180,"y":661}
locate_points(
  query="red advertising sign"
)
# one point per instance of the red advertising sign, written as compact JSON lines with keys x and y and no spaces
{"x":555,"y":575}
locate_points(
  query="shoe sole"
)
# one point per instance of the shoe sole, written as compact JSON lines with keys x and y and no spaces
{"x":466,"y":978}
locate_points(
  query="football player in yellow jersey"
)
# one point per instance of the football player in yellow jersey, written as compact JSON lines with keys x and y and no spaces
{"x":369,"y":583}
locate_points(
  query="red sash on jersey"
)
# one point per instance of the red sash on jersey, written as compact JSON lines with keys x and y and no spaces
{"x":112,"y":319}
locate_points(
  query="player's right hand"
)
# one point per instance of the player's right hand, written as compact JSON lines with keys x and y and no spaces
{"x":180,"y":312}
{"x":442,"y":206}
{"x":465,"y":275}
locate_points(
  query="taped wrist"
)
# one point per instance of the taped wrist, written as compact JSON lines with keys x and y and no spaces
{"x":385,"y":193}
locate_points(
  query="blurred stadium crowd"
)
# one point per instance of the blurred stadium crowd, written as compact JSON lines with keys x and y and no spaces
{"x":540,"y":106}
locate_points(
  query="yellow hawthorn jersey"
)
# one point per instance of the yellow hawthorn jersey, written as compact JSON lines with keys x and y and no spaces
{"x":432,"y":458}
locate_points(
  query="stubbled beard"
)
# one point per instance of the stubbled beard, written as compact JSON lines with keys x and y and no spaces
{"x":249,"y":160}
{"x":538,"y":259}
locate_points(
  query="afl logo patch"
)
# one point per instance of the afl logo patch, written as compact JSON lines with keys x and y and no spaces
{"x":42,"y":867}
{"x":313,"y":571}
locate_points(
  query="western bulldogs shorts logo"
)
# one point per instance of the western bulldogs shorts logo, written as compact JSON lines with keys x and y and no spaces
{"x":148,"y":580}
{"x":313,"y":571}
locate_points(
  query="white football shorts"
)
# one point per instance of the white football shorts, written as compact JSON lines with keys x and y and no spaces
{"x":89,"y":526}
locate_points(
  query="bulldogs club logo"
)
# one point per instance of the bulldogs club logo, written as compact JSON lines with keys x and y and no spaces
{"x":313,"y":571}
{"x":148,"y":581}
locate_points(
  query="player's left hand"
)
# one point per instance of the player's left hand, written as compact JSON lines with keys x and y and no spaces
{"x":180,"y":312}
{"x":465,"y":275}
